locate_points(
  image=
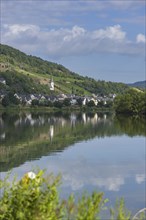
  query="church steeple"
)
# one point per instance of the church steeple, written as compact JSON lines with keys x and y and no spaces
{"x":52,"y":84}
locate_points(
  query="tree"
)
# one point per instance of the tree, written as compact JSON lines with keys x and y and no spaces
{"x":10,"y":98}
{"x":35,"y":102}
{"x":66,"y":102}
{"x":100,"y":103}
{"x":91,"y":103}
{"x":79,"y":101}
{"x":132,"y":102}
{"x":5,"y":101}
{"x":58,"y":104}
{"x":13,"y":99}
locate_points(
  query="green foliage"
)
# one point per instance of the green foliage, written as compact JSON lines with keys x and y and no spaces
{"x":31,"y":199}
{"x":79,"y":101}
{"x":35,"y":102}
{"x":32,"y":63}
{"x":109,"y":104}
{"x":131,"y":102}
{"x":5,"y":101}
{"x":66,"y":102}
{"x":101,"y":103}
{"x":120,"y":212}
{"x":101,"y":87}
{"x":89,"y":207}
{"x":10,"y":99}
{"x":36,"y":197}
{"x":58,"y":104}
{"x":22,"y":84}
{"x":91,"y":103}
{"x":140,"y":84}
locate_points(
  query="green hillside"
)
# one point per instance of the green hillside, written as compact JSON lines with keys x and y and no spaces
{"x":139,"y":84}
{"x":29,"y":74}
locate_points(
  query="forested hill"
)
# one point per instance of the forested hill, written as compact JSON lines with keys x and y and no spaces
{"x":140,"y":84}
{"x":29,"y":74}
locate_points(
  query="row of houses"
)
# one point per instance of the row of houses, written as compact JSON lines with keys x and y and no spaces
{"x":73,"y":99}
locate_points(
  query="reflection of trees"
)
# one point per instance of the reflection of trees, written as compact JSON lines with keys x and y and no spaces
{"x":131,"y":126}
{"x":31,"y":136}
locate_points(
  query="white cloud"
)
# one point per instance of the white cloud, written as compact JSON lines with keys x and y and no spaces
{"x":140,"y":178}
{"x":109,"y":183}
{"x":74,"y":33}
{"x":78,"y":174}
{"x":140,"y":38}
{"x":17,"y":29}
{"x":113,"y":32}
{"x":67,"y":42}
{"x":77,"y":183}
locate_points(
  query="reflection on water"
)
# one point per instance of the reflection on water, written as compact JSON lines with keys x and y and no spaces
{"x":30,"y":136}
{"x":92,"y":151}
{"x":22,"y":127}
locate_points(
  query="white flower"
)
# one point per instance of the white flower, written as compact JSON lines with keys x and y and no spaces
{"x":31,"y":175}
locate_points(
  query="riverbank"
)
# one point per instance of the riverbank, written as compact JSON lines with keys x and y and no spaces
{"x":40,"y":109}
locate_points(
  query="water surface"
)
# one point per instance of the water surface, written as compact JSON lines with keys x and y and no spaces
{"x":99,"y":152}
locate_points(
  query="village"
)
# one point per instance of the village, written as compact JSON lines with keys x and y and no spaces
{"x":66,"y":99}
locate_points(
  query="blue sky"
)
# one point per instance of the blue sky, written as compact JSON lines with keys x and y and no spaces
{"x":103,"y":39}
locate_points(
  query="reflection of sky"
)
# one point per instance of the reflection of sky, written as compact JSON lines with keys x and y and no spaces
{"x":115,"y":164}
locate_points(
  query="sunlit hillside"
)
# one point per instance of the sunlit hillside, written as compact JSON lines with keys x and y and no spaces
{"x":29,"y":74}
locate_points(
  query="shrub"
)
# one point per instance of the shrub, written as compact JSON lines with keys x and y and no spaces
{"x":58,"y":104}
{"x":35,"y":197}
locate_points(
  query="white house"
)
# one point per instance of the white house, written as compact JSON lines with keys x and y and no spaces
{"x":3,"y":81}
{"x":84,"y":101}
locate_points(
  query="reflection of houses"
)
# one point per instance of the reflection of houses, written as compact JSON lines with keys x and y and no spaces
{"x":94,"y":119}
{"x":104,"y":116}
{"x":1,"y":122}
{"x":29,"y":119}
{"x":63,"y":122}
{"x":73,"y":119}
{"x":84,"y":117}
{"x":18,"y":122}
{"x":2,"y":136}
{"x":51,"y":132}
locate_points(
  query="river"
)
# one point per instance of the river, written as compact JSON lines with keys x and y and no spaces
{"x":92,"y":151}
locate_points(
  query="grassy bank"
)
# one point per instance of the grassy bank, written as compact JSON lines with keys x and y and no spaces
{"x":43,"y":109}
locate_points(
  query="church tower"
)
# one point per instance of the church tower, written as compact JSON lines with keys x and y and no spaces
{"x":52,"y":85}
